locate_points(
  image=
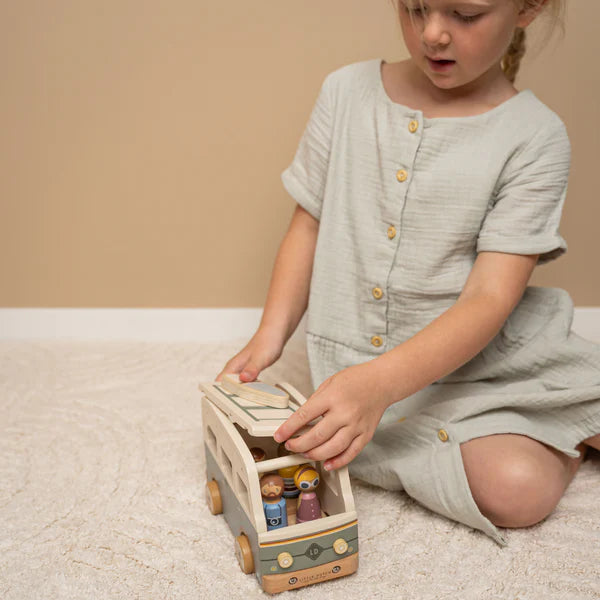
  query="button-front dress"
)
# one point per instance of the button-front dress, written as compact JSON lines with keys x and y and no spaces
{"x":405,"y":203}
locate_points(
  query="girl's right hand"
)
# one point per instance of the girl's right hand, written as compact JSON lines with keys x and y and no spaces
{"x":259,"y":353}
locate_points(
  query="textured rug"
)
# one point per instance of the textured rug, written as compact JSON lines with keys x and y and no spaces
{"x":102,"y":495}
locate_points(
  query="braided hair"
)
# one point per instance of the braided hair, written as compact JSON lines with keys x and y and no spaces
{"x":514,"y":54}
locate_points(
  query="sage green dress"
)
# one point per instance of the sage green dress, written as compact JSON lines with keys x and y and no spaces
{"x":405,"y":203}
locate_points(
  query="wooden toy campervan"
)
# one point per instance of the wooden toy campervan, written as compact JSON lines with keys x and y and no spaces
{"x":286,"y":557}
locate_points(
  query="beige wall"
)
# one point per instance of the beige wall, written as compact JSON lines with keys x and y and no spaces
{"x":142,"y":142}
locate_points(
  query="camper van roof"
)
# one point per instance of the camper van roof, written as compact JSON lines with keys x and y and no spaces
{"x":259,"y":420}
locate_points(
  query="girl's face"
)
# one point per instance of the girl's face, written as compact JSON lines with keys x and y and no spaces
{"x":470,"y":37}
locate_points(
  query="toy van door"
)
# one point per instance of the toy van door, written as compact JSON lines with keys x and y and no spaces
{"x":257,"y":419}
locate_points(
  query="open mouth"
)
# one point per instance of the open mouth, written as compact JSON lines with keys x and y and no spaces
{"x":441,"y":61}
{"x":440,"y":64}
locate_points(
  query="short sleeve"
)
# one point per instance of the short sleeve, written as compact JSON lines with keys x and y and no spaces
{"x":529,"y":196}
{"x":305,"y":178}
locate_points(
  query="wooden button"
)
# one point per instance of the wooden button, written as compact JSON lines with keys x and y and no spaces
{"x":376,"y":341}
{"x":413,"y":126}
{"x":285,"y":560}
{"x":401,"y":175}
{"x":443,"y":435}
{"x":391,"y":232}
{"x":340,"y":546}
{"x":377,"y":293}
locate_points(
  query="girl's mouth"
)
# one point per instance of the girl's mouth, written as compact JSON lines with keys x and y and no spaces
{"x":440,"y":65}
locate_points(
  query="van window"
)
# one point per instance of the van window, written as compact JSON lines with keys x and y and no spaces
{"x":211,"y":439}
{"x":242,"y":492}
{"x":226,"y":464}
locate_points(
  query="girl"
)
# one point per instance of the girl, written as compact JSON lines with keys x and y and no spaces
{"x":427,"y":191}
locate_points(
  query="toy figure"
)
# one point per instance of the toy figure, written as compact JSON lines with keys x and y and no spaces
{"x":289,"y":487}
{"x":258,"y":454}
{"x":309,"y":507}
{"x":271,"y":488}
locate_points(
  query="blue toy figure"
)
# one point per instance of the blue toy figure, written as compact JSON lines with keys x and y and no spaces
{"x":271,"y":488}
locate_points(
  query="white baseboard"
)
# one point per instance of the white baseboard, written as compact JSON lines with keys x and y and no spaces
{"x":143,"y":324}
{"x":586,"y":322}
{"x":164,"y":324}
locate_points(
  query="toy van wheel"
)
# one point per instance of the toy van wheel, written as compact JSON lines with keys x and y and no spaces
{"x":243,"y":553}
{"x":213,"y":497}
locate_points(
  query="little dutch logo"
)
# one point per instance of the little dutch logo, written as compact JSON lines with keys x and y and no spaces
{"x":313,"y":551}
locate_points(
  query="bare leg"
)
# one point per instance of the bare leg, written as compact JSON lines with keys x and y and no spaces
{"x":515,"y":480}
{"x":593,"y":441}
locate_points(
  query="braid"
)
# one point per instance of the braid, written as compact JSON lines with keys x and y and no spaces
{"x":512,"y":58}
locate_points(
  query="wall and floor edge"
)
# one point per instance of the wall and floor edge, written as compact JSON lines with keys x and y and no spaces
{"x":202,"y":325}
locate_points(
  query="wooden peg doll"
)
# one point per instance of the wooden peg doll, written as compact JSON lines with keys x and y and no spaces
{"x":290,"y":490}
{"x":309,"y":507}
{"x":271,"y":488}
{"x":258,"y":454}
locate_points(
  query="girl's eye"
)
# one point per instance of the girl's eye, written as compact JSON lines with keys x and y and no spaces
{"x":305,"y":485}
{"x":416,"y":11}
{"x":467,"y":18}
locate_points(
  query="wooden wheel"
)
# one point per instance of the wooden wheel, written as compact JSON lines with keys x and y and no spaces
{"x":213,"y":497}
{"x":243,"y":553}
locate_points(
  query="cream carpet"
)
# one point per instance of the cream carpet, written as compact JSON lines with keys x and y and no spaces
{"x":102,"y":495}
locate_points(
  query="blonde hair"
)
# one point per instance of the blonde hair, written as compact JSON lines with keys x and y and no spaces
{"x":553,"y":11}
{"x":304,"y":473}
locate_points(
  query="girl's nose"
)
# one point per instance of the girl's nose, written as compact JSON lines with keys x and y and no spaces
{"x":434,"y":32}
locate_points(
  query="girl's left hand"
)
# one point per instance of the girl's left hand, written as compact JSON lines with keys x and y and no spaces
{"x":351,"y":403}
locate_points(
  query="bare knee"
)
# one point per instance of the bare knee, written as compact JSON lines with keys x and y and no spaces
{"x":524,"y":494}
{"x":517,"y":485}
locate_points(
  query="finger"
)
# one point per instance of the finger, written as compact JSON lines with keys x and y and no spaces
{"x":233,"y":366}
{"x":309,"y":411}
{"x":316,"y":436}
{"x":250,"y":371}
{"x":227,"y":370}
{"x":332,"y":447}
{"x":314,"y":407}
{"x":347,"y":456}
{"x":219,"y":377}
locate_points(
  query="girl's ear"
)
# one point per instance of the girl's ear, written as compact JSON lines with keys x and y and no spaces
{"x":529,"y":12}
